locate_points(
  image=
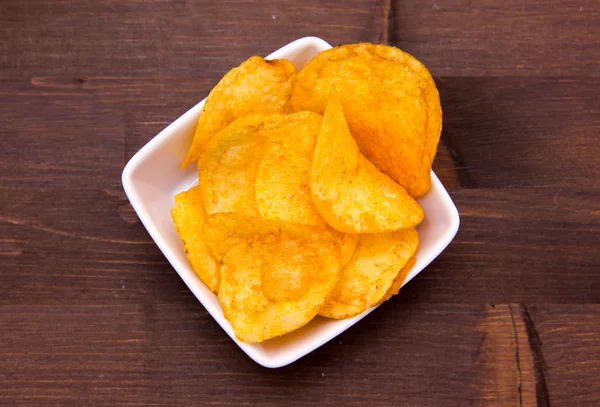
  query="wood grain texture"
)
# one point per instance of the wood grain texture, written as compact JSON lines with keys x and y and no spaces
{"x":481,"y":38}
{"x":162,"y":38}
{"x":92,"y":314}
{"x":522,"y":131}
{"x":404,"y":354}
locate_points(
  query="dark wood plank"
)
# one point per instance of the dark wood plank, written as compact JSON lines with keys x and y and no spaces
{"x":522,"y":132}
{"x":141,"y":355}
{"x":481,"y":38}
{"x":149,"y":38}
{"x":569,"y":340}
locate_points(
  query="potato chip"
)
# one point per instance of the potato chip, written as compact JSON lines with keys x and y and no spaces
{"x":283,"y":187}
{"x":391,"y":103}
{"x":283,"y":176}
{"x":399,"y":280}
{"x":348,"y":191}
{"x":254,"y":120}
{"x":227,"y":170}
{"x":275,"y":275}
{"x":256,"y":86}
{"x":188,"y":217}
{"x":348,"y":245}
{"x":297,"y":131}
{"x":367,"y":278}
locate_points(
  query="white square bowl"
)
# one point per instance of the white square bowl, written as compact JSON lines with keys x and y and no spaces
{"x":152,"y":178}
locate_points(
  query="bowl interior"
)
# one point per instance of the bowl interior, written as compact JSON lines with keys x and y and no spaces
{"x":152,"y":178}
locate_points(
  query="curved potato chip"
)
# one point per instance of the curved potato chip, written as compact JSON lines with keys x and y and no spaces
{"x":256,"y":86}
{"x":367,"y":278}
{"x":275,"y":275}
{"x":297,"y":131}
{"x":348,"y":191}
{"x":227,"y":170}
{"x":222,"y":231}
{"x":399,"y":280}
{"x":283,"y":176}
{"x":348,"y":246}
{"x":253,"y":120}
{"x":391,"y":103}
{"x":189,"y":218}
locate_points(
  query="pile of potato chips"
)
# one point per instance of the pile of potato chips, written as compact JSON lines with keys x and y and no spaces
{"x":307,"y":185}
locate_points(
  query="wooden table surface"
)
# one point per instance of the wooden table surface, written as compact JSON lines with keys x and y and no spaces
{"x":91,"y":313}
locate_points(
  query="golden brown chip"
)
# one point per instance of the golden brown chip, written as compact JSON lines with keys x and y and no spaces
{"x":297,"y":131}
{"x":283,"y":187}
{"x":399,"y":280}
{"x":254,"y":120}
{"x":348,"y":245}
{"x":256,"y":86}
{"x":227,"y":170}
{"x":188,"y":217}
{"x":367,"y":278}
{"x":391,"y":103}
{"x":283,"y":176}
{"x":348,"y":191}
{"x":275,"y":275}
